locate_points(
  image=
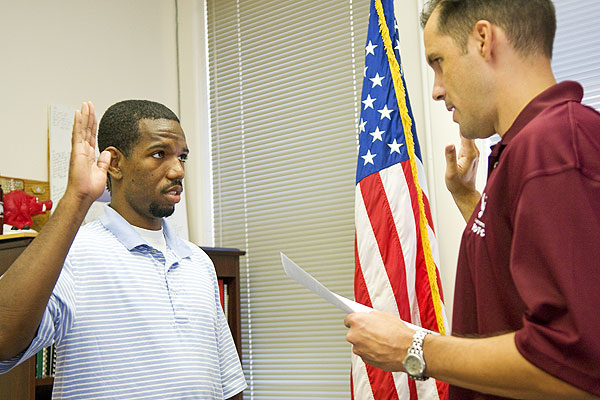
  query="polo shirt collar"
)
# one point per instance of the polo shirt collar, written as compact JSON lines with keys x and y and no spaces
{"x":556,"y":94}
{"x":124,"y":232}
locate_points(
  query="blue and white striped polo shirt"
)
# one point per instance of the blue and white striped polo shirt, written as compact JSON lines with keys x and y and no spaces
{"x":130,"y":322}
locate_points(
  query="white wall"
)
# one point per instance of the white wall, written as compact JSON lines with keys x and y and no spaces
{"x":195,"y":117}
{"x":70,"y":51}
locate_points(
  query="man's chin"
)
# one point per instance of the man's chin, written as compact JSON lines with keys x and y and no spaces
{"x":161,"y":212}
{"x":470,"y":132}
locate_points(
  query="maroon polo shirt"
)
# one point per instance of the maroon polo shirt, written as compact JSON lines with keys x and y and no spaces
{"x":530,"y":255}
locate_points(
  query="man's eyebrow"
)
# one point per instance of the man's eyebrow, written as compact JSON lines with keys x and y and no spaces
{"x":160,"y":146}
{"x":157,"y":146}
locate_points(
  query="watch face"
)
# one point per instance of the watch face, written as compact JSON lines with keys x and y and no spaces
{"x":413,"y":365}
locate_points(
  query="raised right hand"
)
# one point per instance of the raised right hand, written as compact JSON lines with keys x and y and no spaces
{"x":461,"y":174}
{"x":87,"y":176}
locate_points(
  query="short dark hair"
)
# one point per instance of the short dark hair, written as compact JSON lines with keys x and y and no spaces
{"x":530,"y":25}
{"x":119,"y":126}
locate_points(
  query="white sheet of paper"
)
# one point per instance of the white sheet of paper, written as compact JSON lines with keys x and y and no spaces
{"x":346,"y":305}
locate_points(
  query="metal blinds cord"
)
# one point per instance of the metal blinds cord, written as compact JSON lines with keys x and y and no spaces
{"x":577,"y":46}
{"x":284,"y":84}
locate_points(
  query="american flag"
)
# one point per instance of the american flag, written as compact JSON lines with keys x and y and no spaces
{"x":395,"y":246}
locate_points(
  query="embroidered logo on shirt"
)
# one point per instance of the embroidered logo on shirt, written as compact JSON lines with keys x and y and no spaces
{"x":478,"y":227}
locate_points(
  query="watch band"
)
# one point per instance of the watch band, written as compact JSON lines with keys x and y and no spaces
{"x":415,"y":352}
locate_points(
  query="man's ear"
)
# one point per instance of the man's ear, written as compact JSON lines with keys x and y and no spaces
{"x":484,"y":33}
{"x":116,"y":161}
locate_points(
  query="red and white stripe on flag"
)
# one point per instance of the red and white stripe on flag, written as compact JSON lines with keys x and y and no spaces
{"x":391,"y":273}
{"x":396,"y":254}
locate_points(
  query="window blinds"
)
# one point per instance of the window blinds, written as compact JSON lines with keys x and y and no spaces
{"x":285,"y":80}
{"x":577,"y":46}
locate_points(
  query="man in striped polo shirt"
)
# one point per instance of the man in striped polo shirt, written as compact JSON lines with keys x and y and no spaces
{"x":132,"y":309}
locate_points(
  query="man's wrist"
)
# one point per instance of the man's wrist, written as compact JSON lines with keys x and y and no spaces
{"x":73,"y":206}
{"x":466,"y":202}
{"x":74,"y":198}
{"x":470,"y":197}
{"x":414,"y":362}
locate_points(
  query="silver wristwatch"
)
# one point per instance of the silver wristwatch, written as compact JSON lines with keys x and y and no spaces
{"x":414,"y":363}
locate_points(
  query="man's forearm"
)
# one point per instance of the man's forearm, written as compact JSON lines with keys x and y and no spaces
{"x":466,"y":203}
{"x":495,"y":366}
{"x":490,"y":365}
{"x":27,"y":285}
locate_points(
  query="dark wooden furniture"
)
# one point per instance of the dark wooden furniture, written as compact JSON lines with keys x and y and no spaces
{"x":21,"y":384}
{"x":227,"y":266}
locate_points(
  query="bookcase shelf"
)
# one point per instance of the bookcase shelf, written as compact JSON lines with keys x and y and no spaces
{"x":227,"y":266}
{"x":21,"y":384}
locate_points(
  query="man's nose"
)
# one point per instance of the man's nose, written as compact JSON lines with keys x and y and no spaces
{"x":177,"y":170}
{"x":438,"y":93}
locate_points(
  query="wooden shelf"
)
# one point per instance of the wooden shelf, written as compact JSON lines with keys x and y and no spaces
{"x":227,"y":266}
{"x":47,"y":381}
{"x":10,"y":236}
{"x":19,"y":383}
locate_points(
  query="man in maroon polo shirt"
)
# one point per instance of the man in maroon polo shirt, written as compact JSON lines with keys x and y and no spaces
{"x":526,"y":317}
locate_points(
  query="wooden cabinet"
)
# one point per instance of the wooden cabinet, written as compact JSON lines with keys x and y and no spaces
{"x":227,"y":266}
{"x":20,"y":383}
